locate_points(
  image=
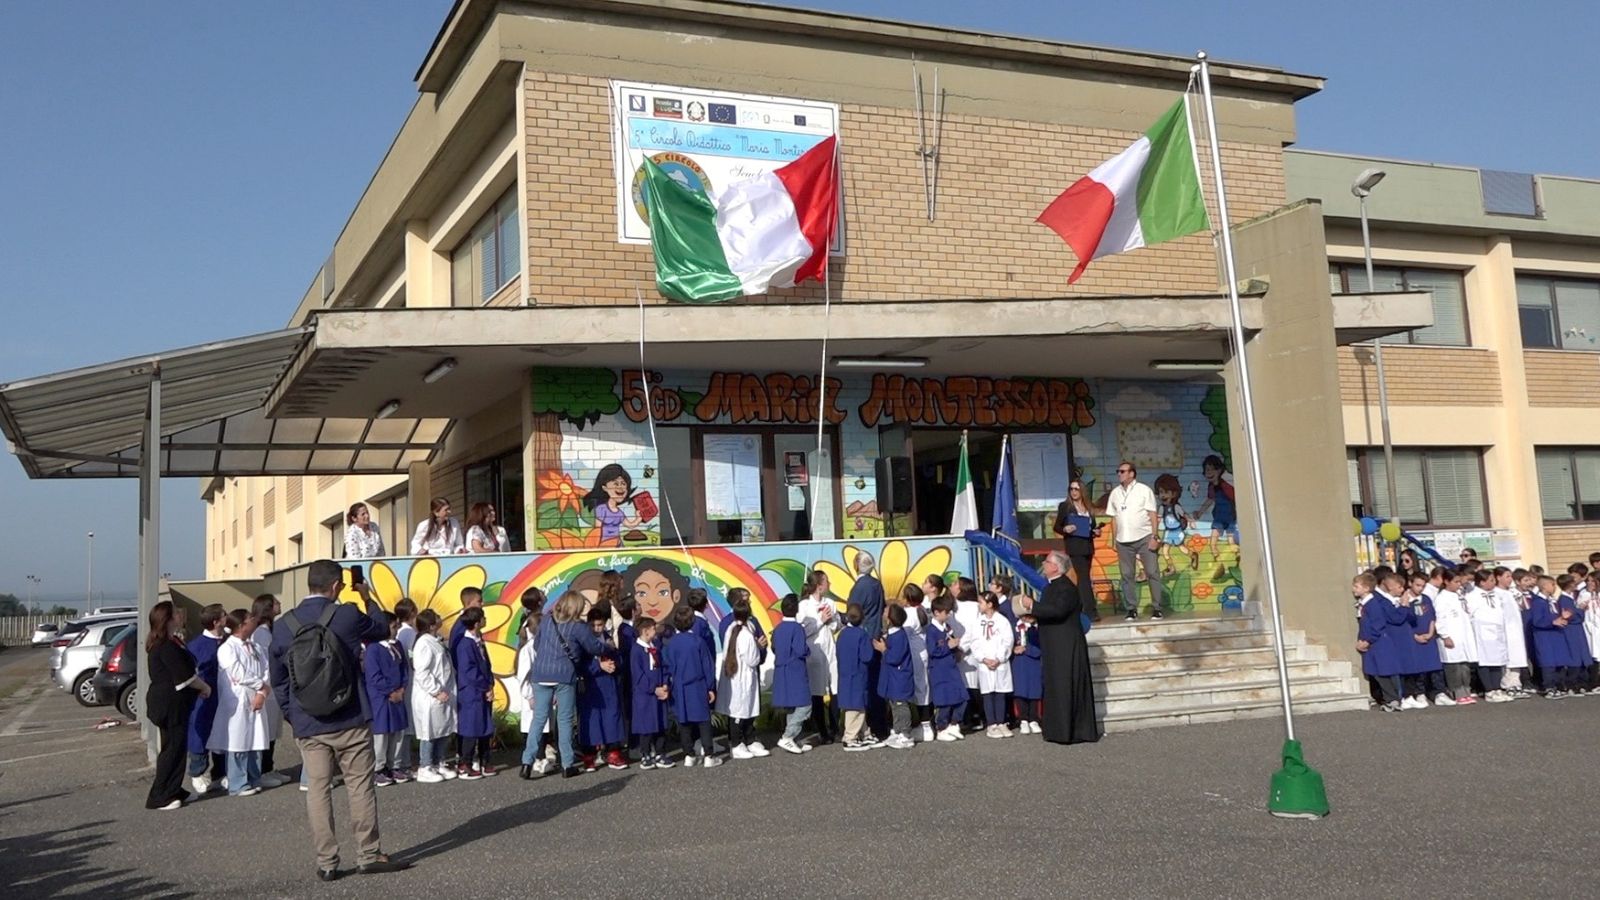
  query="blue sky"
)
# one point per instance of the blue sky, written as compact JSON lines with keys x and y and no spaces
{"x":174,"y":173}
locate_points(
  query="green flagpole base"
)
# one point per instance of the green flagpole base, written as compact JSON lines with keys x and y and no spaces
{"x":1297,"y":791}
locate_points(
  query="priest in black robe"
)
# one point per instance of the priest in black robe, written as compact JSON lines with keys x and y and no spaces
{"x":1069,"y":715}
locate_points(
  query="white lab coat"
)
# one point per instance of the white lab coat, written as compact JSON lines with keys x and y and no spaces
{"x":525,"y":656}
{"x":740,"y":696}
{"x":994,"y":640}
{"x":1489,"y":627}
{"x":263,"y":638}
{"x":432,"y":672}
{"x":1516,"y":637}
{"x":1454,"y":623}
{"x":447,"y":540}
{"x":915,"y":633}
{"x":241,"y":673}
{"x":965,"y":623}
{"x":821,"y":620}
{"x":1591,"y":622}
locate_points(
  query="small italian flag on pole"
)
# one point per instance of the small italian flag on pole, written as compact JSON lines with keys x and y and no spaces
{"x":1144,"y":195}
{"x":768,"y":231}
{"x":965,"y":516}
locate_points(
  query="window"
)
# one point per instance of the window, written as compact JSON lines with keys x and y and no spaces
{"x":1569,"y":483}
{"x":488,"y":259}
{"x":498,"y":481}
{"x":1449,"y":326}
{"x":1440,"y":487}
{"x":1559,"y":313}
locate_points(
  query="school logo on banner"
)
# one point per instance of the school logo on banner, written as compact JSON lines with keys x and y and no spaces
{"x":679,"y":168}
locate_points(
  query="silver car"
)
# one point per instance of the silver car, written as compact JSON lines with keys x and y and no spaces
{"x":73,"y":670}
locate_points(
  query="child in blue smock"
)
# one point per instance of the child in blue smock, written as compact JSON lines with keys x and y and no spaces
{"x":1384,"y":625}
{"x":947,"y":690}
{"x":600,"y":729}
{"x":649,"y":693}
{"x":1027,"y":675}
{"x":1548,"y":627}
{"x":1577,"y":638}
{"x":474,"y":698}
{"x":896,"y":680}
{"x":385,"y":674}
{"x":854,"y":653}
{"x":1425,"y":674}
{"x":791,"y":683}
{"x":693,"y":687}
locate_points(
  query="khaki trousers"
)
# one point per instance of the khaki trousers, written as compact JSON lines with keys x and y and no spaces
{"x":350,"y":752}
{"x":855,"y":722}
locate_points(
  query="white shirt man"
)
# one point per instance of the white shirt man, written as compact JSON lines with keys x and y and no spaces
{"x":1134,"y":517}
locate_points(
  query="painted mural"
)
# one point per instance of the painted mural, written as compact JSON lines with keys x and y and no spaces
{"x":659,"y":578}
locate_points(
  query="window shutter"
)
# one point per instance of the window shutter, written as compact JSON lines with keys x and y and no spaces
{"x":1353,"y":468}
{"x":488,"y":267}
{"x":508,"y":253}
{"x":1578,"y":309}
{"x":1455,"y":484}
{"x":1449,"y":307}
{"x":1335,"y":280}
{"x":1408,"y":481}
{"x":1556,"y":499}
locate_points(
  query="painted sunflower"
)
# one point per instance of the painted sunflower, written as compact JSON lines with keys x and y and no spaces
{"x":895,"y":568}
{"x":558,"y":488}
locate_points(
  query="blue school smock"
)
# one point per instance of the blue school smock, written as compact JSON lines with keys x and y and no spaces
{"x":702,"y":629}
{"x":384,"y":671}
{"x":854,"y":652}
{"x":1009,"y":611}
{"x":627,"y":639}
{"x":1027,"y":668}
{"x":1382,"y":624}
{"x":1424,"y":657}
{"x":791,"y":686}
{"x":895,"y":681}
{"x":649,"y":712}
{"x":204,"y":711}
{"x":1577,"y":640}
{"x":474,"y":711}
{"x":690,"y":676}
{"x":600,"y":707}
{"x":1549,"y":641}
{"x":946,"y":687}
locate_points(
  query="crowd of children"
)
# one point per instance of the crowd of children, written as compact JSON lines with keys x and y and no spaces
{"x":1453,"y":635}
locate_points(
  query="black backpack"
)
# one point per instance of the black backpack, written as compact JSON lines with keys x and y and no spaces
{"x":320,"y":674}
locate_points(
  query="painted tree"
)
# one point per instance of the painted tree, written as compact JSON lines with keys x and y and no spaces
{"x":578,"y":397}
{"x":1214,"y":406}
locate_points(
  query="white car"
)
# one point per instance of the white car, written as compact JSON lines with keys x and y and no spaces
{"x":44,"y":633}
{"x":112,"y":611}
{"x":72,"y":666}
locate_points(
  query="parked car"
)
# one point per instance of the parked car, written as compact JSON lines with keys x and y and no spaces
{"x":80,"y":659}
{"x":44,"y":633}
{"x":69,"y":631}
{"x":116,"y":681}
{"x":112,"y":611}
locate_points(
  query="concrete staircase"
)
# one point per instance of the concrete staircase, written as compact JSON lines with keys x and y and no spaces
{"x":1192,"y":668}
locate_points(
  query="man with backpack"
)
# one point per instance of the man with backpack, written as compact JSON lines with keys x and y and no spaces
{"x":316,"y":676}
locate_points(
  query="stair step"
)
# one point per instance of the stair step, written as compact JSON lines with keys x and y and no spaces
{"x":1221,"y":624}
{"x":1115,"y":648}
{"x":1124,"y":683}
{"x":1239,"y":694}
{"x":1133,"y":720}
{"x":1157,"y":660}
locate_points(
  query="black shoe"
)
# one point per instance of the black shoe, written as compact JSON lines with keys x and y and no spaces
{"x":1156,"y":614}
{"x":329,"y":874}
{"x":571,"y":772}
{"x":525,"y":773}
{"x":382,"y":865}
{"x":1131,"y":617}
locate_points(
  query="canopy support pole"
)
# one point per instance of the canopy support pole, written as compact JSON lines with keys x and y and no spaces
{"x":149,"y":541}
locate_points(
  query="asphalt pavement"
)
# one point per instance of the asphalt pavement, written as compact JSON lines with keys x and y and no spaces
{"x":1473,"y":801}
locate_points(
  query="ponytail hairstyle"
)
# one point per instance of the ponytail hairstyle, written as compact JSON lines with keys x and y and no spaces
{"x":741,"y":618}
{"x":532,"y":601}
{"x":814,"y":580}
{"x":939,"y":587}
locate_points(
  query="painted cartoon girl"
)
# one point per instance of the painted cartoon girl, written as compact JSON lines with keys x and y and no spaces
{"x":1173,"y":519}
{"x":1220,"y":501}
{"x":613,"y":487}
{"x":657,"y":587}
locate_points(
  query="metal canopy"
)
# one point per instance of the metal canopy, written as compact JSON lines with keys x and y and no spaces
{"x":90,"y":422}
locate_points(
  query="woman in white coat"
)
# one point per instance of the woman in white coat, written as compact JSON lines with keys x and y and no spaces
{"x":266,"y":609}
{"x":441,"y":534}
{"x":820,"y":618}
{"x":739,"y":690}
{"x":240,"y":727}
{"x":433,"y":699}
{"x":1489,"y":629}
{"x":1458,"y":644}
{"x":916,"y":606}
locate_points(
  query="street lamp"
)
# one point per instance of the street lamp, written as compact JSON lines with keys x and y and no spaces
{"x":32,"y":581}
{"x":88,"y":587}
{"x":1364,"y":183}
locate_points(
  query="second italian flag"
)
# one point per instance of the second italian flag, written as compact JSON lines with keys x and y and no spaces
{"x":1144,"y":195}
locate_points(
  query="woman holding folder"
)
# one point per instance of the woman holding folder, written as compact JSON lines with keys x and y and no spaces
{"x":1075,"y":523}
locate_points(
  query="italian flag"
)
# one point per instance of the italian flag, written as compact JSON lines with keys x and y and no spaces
{"x":768,"y":231}
{"x":1144,"y":195}
{"x":965,"y":516}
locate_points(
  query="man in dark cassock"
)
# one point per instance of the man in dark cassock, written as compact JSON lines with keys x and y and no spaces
{"x":1069,"y":716}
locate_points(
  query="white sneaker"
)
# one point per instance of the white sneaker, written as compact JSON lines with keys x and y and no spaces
{"x":273,"y":780}
{"x":788,"y":745}
{"x":955,"y":729}
{"x":758,"y":749}
{"x":949,"y":734}
{"x":688,"y":760}
{"x":1498,"y":697}
{"x":740,"y":751}
{"x":1411,"y":703}
{"x":1443,"y":700}
{"x":176,"y":804}
{"x":1033,"y":728}
{"x":899,"y":742}
{"x":448,"y":773}
{"x":428,"y":775}
{"x":710,"y":762}
{"x":926,"y":732}
{"x":543,"y":766}
{"x":249,"y":791}
{"x":200,"y":783}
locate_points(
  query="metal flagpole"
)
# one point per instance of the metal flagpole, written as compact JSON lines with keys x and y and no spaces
{"x":1294,"y":770}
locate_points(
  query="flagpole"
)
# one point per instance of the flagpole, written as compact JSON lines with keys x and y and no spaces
{"x":1297,"y":790}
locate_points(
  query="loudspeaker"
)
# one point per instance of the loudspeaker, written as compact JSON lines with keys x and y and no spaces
{"x":894,"y":484}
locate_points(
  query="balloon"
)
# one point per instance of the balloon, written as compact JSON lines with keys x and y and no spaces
{"x":1369,"y":525}
{"x":1390,"y":531}
{"x":1355,"y":526}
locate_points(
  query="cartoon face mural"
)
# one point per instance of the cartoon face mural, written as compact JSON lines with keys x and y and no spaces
{"x":657,"y":586}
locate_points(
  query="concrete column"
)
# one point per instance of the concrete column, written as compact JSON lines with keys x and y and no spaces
{"x":1298,"y":412}
{"x":427,"y":274}
{"x":419,"y":493}
{"x":1509,"y":468}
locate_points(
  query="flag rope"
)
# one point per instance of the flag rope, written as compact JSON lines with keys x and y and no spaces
{"x":650,"y":417}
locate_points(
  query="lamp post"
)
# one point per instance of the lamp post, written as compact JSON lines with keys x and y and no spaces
{"x":32,"y":581}
{"x":88,"y":587}
{"x":1364,"y":183}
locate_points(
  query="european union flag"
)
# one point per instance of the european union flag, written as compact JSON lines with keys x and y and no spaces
{"x":723,"y":113}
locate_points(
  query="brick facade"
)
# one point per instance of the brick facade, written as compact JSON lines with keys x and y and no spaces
{"x":1567,"y":544}
{"x":1562,"y":378}
{"x":1420,"y":376}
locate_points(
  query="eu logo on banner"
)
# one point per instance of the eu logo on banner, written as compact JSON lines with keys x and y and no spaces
{"x":723,"y":113}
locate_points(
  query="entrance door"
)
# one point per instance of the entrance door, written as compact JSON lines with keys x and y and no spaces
{"x":936,"y":457}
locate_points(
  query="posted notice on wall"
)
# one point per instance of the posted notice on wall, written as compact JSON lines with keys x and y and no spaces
{"x":705,"y":139}
{"x":1042,"y":468}
{"x":732,"y":476}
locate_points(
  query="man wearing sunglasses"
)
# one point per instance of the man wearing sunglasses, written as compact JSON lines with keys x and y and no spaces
{"x":1136,"y":532}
